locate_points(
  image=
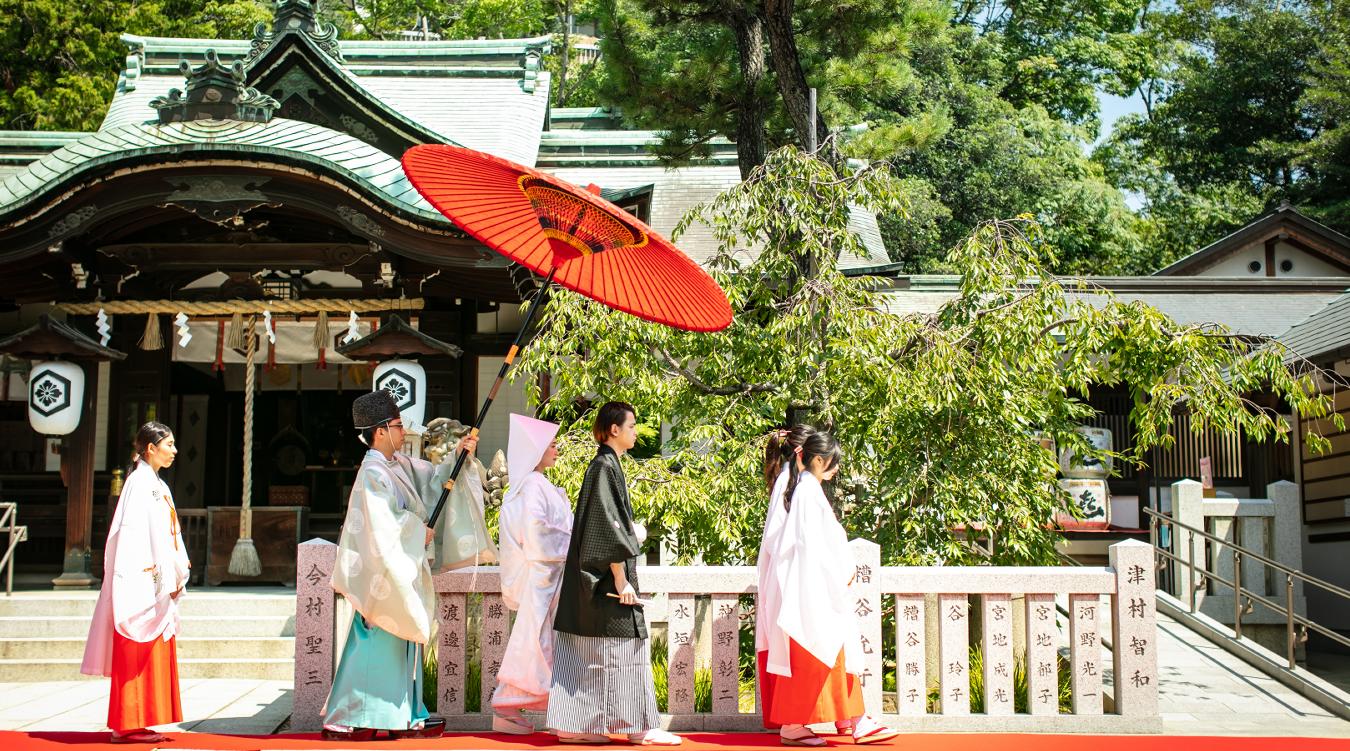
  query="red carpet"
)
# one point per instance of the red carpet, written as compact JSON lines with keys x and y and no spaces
{"x":52,"y":741}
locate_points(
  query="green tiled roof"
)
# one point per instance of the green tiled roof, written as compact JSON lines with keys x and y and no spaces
{"x":469,"y":92}
{"x":1323,"y":337}
{"x":369,"y":169}
{"x":388,"y":56}
{"x":1253,"y":308}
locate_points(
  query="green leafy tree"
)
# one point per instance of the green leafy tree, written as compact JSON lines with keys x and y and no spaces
{"x":936,"y":412}
{"x":930,"y":89}
{"x":59,"y":61}
{"x":1234,"y":123}
{"x":1059,"y":53}
{"x":1326,"y":156}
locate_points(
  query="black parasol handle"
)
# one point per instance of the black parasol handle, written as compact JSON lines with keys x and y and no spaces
{"x":516,"y":346}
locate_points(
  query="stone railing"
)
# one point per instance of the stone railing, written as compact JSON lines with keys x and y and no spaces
{"x":1268,"y":526}
{"x":1013,"y":610}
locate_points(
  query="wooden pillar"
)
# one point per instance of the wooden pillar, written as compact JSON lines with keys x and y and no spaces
{"x":77,"y":458}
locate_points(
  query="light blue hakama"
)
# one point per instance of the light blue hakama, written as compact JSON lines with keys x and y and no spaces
{"x":378,"y":682}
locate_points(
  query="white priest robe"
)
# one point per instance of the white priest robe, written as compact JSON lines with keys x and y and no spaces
{"x":536,"y":526}
{"x":812,"y":566}
{"x":384,"y":571}
{"x":382,"y":566}
{"x":144,"y":563}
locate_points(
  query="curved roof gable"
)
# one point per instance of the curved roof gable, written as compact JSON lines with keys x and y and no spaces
{"x":489,"y":95}
{"x":366,"y":167}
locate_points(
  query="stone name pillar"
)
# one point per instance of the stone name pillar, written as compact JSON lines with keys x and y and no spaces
{"x":314,"y":628}
{"x":1134,"y":629}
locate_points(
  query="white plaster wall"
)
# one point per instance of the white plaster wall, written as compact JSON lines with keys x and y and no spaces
{"x":1305,"y":264}
{"x":510,"y":398}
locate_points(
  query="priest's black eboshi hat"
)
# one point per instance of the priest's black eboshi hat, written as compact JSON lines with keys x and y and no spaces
{"x":374,"y":409}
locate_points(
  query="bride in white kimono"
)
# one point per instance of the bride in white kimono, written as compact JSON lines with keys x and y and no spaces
{"x":536,"y":526}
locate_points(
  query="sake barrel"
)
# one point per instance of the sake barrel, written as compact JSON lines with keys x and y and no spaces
{"x":1072,"y":466}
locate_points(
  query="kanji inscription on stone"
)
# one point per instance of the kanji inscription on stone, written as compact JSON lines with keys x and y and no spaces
{"x":450,"y":653}
{"x":1042,"y":657}
{"x":911,"y":688}
{"x":954,"y":652}
{"x":493,"y":639}
{"x":997,"y":633}
{"x":314,"y":632}
{"x":680,"y":655}
{"x":726,"y":650}
{"x":865,"y":591}
{"x":1134,"y":629}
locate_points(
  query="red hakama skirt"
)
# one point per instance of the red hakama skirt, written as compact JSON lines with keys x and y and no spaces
{"x":815,"y":692}
{"x":144,"y":684}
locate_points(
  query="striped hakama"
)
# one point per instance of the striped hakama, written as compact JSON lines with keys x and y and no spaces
{"x":601,"y":685}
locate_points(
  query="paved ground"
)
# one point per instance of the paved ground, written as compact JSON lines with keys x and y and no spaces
{"x":212,"y":706}
{"x":1203,"y":691}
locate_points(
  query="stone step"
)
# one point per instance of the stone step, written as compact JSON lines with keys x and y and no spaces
{"x":195,"y":603}
{"x":225,"y":626}
{"x":260,"y":648}
{"x":29,"y":671}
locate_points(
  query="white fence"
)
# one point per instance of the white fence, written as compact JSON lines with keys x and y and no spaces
{"x":1016,"y":609}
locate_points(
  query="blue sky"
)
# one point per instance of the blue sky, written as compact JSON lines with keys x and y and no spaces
{"x":1113,"y":107}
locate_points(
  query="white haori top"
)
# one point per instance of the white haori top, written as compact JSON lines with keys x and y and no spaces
{"x":812,"y":566}
{"x":144,"y":563}
{"x":767,"y":604}
{"x":382,"y":565}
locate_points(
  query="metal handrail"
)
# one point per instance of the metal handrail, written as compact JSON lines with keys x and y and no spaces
{"x":10,"y":516}
{"x":1247,"y":553}
{"x":1243,"y":601}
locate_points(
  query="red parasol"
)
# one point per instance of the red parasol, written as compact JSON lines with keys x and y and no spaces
{"x":569,"y":235}
{"x":588,"y":244}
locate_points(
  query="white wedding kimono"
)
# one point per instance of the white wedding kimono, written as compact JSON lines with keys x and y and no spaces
{"x":811,"y":566}
{"x":536,"y":526}
{"x":769,"y":598}
{"x":144,"y":563}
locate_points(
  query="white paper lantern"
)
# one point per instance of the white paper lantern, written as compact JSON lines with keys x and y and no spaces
{"x":55,"y":397}
{"x":407,"y":382}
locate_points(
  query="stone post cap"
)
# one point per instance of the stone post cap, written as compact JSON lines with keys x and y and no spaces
{"x":1187,"y":483}
{"x":318,"y":541}
{"x":1128,"y":544}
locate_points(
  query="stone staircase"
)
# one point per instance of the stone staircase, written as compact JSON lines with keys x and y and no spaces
{"x":226,"y":633}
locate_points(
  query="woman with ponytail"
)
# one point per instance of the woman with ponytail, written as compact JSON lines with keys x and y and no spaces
{"x":813,"y":650}
{"x":780,"y":460}
{"x":145,"y":569}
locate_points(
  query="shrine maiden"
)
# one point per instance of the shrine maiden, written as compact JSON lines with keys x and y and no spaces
{"x":813,"y":648}
{"x":384,"y":572}
{"x":145,"y":569}
{"x":536,"y":525}
{"x":602,"y":677}
{"x":780,"y":456}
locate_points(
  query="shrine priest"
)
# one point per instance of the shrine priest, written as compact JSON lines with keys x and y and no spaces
{"x":384,"y":570}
